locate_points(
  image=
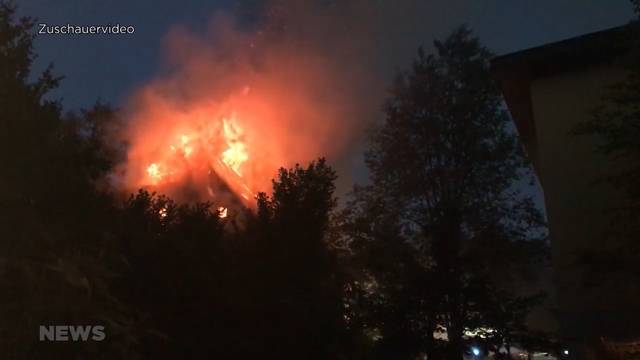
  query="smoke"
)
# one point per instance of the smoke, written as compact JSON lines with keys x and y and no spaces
{"x":294,"y":81}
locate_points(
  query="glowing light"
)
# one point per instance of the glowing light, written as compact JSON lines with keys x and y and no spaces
{"x":481,"y":332}
{"x":184,"y":145}
{"x":236,"y":153}
{"x":207,"y":149}
{"x":475,"y":351}
{"x":163,"y":213}
{"x":153,"y":171}
{"x":220,"y":121}
{"x":217,"y":146}
{"x":565,"y":352}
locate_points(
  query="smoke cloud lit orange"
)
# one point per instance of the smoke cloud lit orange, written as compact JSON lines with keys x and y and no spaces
{"x":228,"y":110}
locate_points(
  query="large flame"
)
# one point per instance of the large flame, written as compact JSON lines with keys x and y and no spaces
{"x":215,"y":145}
{"x":229,"y":113}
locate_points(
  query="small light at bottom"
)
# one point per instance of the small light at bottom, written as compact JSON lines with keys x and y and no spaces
{"x":475,"y":351}
{"x":565,"y":352}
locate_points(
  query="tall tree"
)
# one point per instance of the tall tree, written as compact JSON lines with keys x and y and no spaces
{"x":301,"y":308}
{"x":178,"y":278}
{"x":56,"y":266}
{"x":443,"y":202}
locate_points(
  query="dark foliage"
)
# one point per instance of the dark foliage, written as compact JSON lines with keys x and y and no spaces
{"x":55,"y":263}
{"x":167,"y":280}
{"x":426,"y":246}
{"x":442,"y":223}
{"x":296,"y":271}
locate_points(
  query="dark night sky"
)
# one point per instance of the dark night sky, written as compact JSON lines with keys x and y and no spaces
{"x":115,"y":65}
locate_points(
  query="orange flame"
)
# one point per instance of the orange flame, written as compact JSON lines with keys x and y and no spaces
{"x":200,"y":133}
{"x":235,"y":155}
{"x":217,"y":144}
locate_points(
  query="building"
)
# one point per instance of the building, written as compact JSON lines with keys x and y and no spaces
{"x":549,"y":90}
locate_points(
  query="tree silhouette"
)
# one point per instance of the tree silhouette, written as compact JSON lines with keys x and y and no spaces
{"x":56,"y":263}
{"x":297,"y":272}
{"x":167,"y":280}
{"x":442,"y":223}
{"x":178,"y":278}
{"x":270,"y":288}
{"x":434,"y":243}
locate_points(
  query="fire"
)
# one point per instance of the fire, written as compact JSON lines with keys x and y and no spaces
{"x":236,"y":154}
{"x":223,"y":212}
{"x":216,"y":144}
{"x":153,"y":171}
{"x":184,"y":142}
{"x":217,"y":126}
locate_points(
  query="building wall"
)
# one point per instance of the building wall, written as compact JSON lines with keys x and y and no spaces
{"x":577,"y":209}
